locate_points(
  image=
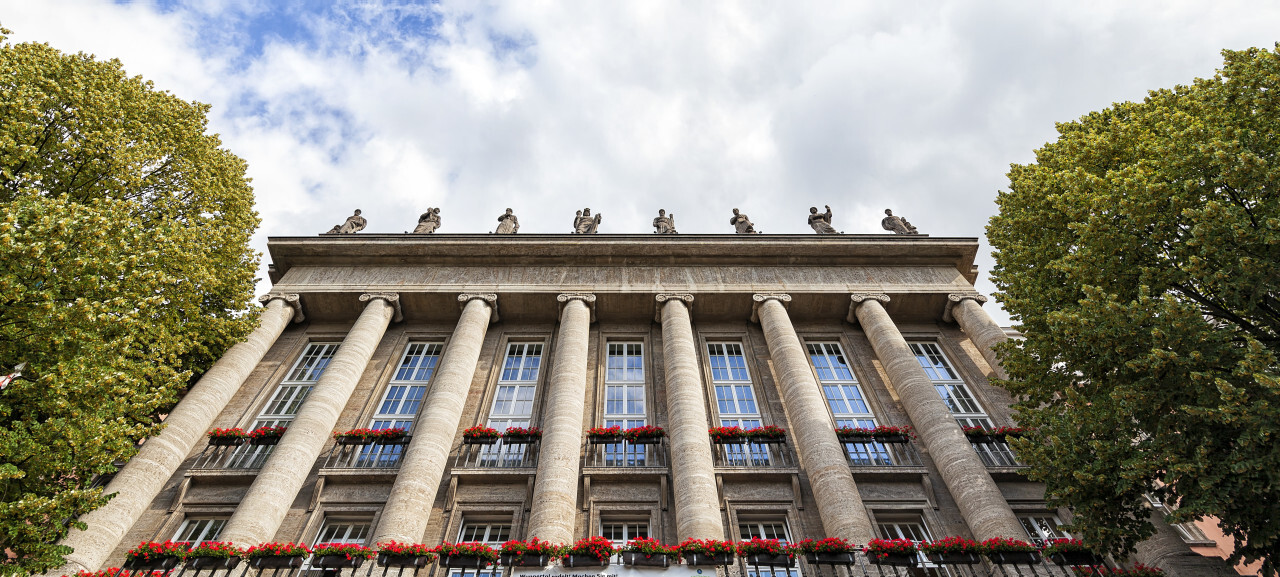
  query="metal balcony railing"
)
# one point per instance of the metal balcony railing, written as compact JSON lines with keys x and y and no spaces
{"x":752,"y":454}
{"x":995,"y":453}
{"x":243,"y":457}
{"x":870,"y":453}
{"x":500,"y":455}
{"x":626,"y":454}
{"x":382,"y":455}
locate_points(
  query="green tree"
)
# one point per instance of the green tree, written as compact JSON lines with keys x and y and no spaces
{"x":1141,"y":255}
{"x":124,"y":273}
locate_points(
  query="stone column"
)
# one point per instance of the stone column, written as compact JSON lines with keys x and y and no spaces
{"x":142,"y":478}
{"x":983,"y":507}
{"x":839,"y":503}
{"x":555,"y":489}
{"x":693,"y":474}
{"x":405,"y":516}
{"x":258,"y":516}
{"x":967,"y":311}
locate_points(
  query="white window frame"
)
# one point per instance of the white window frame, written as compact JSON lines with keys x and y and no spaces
{"x":286,"y":401}
{"x":629,"y":529}
{"x":843,"y":394}
{"x":491,"y":532}
{"x":628,"y":385}
{"x":743,"y":409}
{"x":523,"y":361}
{"x":206,"y":528}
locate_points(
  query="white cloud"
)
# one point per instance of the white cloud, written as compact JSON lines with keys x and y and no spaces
{"x":630,"y":107}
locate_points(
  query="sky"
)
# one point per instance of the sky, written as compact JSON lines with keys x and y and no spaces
{"x":392,"y":107}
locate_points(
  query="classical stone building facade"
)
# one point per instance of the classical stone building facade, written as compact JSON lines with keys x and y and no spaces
{"x":441,"y":333}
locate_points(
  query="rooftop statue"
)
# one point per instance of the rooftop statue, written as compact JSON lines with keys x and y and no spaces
{"x":821,"y":222}
{"x":584,"y":224}
{"x":666,"y":224}
{"x":428,"y":222}
{"x":355,"y":223}
{"x":507,"y":223}
{"x":897,"y":224}
{"x":742,"y":224}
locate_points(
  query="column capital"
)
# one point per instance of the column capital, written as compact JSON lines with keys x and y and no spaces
{"x":760,"y":298}
{"x":662,"y":298}
{"x":954,"y":299}
{"x":490,"y":298}
{"x":588,"y":299}
{"x":858,"y":299}
{"x":392,"y":299}
{"x":291,"y":300}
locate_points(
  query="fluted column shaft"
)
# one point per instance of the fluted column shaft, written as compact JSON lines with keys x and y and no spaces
{"x":981,"y":503}
{"x":839,"y":503}
{"x":981,"y":329}
{"x":693,"y":474}
{"x":555,"y":490}
{"x":258,"y":516}
{"x":142,"y":478}
{"x":405,"y":516}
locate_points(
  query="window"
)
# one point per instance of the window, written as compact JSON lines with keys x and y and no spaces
{"x":197,"y":530}
{"x":1042,"y":527}
{"x":624,"y":401}
{"x":848,"y":405}
{"x":1188,"y":531}
{"x":622,"y":531}
{"x":765,"y":529}
{"x":912,"y":527}
{"x":286,"y":401}
{"x":400,"y":403}
{"x":346,"y":532}
{"x":494,"y":533}
{"x":736,"y":401}
{"x":513,"y":402}
{"x":962,"y":404}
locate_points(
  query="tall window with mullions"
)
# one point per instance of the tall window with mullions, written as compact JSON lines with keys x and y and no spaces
{"x":513,"y":402}
{"x":961,"y":402}
{"x":736,"y":402}
{"x":286,"y":401}
{"x":624,"y":401}
{"x":401,"y":401}
{"x":846,"y":401}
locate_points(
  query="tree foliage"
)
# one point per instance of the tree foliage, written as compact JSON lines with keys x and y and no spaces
{"x":124,"y":263}
{"x":1141,"y":254}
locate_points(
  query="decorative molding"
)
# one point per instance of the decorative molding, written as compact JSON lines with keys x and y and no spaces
{"x":490,"y":298}
{"x":662,"y":298}
{"x":954,"y":299}
{"x":392,"y":299}
{"x":859,"y":298}
{"x":760,"y":298}
{"x":293,"y":301}
{"x":588,"y":299}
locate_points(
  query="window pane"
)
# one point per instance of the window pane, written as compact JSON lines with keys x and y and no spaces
{"x":312,"y":363}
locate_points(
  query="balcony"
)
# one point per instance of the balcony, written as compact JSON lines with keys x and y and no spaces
{"x":381,"y":455}
{"x":241,"y":457}
{"x":753,"y":457}
{"x":501,"y":455}
{"x":994,"y":452}
{"x":626,"y":455}
{"x":861,"y":565}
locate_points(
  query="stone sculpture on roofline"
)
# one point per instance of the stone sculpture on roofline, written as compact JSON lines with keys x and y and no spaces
{"x":821,"y":222}
{"x":507,"y":223}
{"x":665,"y":223}
{"x":583,"y":223}
{"x":355,"y":223}
{"x":897,"y":224}
{"x":428,"y":222}
{"x":742,"y":224}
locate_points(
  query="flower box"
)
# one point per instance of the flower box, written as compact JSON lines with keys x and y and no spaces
{"x":894,"y":559}
{"x":727,"y":435}
{"x":1075,"y":558}
{"x":729,"y":440}
{"x":769,"y":560}
{"x":638,"y":559}
{"x":154,"y":563}
{"x":463,"y":562}
{"x":480,"y":435}
{"x":226,"y":441}
{"x":266,"y":435}
{"x":1014,"y":557}
{"x":572,"y":560}
{"x":395,"y":560}
{"x":646,"y":435}
{"x":524,"y":560}
{"x":276,"y":562}
{"x":214,"y":563}
{"x":604,"y":439}
{"x":766,"y":435}
{"x":955,"y":558}
{"x":705,"y":560}
{"x":830,"y":558}
{"x":509,"y":439}
{"x":264,"y":441}
{"x":768,"y":440}
{"x":645,"y":440}
{"x":336,"y":561}
{"x":893,"y":438}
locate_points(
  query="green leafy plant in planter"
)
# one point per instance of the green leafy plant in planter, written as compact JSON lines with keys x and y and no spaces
{"x":1005,"y":551}
{"x":897,"y":552}
{"x":521,"y":435}
{"x":213,"y":555}
{"x":766,"y":434}
{"x":604,"y":434}
{"x":276,"y":555}
{"x":466,"y":555}
{"x":766,"y":553}
{"x":648,"y":553}
{"x":532,"y":553}
{"x":480,"y":435}
{"x":727,"y":435}
{"x":1070,"y":552}
{"x":829,"y":551}
{"x":156,"y":555}
{"x":340,"y":555}
{"x":395,"y":554}
{"x":708,"y":552}
{"x":265,"y":435}
{"x":646,"y":435}
{"x":953,"y":551}
{"x":227,"y":437}
{"x":590,"y":552}
{"x":369,"y":436}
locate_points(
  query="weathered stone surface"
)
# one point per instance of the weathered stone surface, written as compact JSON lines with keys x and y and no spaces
{"x":141,"y":479}
{"x":981,"y":329}
{"x":277,"y":484}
